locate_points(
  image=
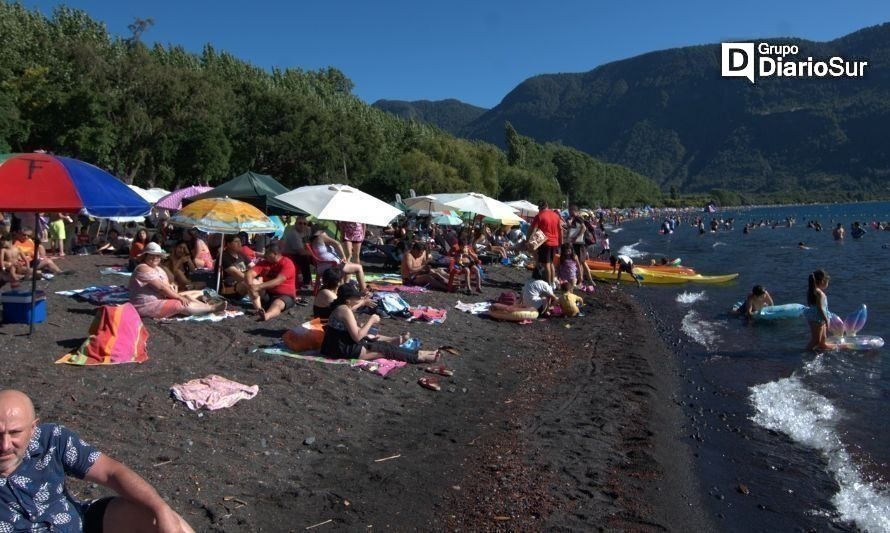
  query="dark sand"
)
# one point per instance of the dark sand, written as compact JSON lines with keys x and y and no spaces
{"x":556,"y":425}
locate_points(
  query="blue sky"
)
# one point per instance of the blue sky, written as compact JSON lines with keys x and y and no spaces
{"x":473,"y":51}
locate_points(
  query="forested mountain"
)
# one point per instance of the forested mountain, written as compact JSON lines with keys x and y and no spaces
{"x":162,"y":116}
{"x":670,"y":115}
{"x":451,"y":115}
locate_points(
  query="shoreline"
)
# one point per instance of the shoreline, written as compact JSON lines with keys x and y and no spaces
{"x":534,"y":431}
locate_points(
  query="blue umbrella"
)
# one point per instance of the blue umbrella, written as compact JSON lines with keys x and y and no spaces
{"x":448,"y":220}
{"x":42,"y":182}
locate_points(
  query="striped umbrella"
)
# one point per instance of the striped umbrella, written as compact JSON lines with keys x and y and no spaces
{"x":223,"y":215}
{"x":173,"y":201}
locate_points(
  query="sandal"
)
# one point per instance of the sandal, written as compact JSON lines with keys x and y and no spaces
{"x":429,"y":383}
{"x":450,"y":349}
{"x":439,"y":370}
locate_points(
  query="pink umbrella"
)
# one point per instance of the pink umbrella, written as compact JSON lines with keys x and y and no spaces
{"x":174,"y":199}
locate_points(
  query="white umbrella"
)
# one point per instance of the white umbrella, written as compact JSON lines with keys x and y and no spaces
{"x":425,"y":205}
{"x":341,"y":203}
{"x":524,"y":208}
{"x":149,"y":195}
{"x":480,"y":204}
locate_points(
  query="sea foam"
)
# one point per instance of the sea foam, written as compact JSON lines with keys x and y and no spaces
{"x":701,"y":331}
{"x":809,"y":418}
{"x":690,"y":297}
{"x":630,"y":250}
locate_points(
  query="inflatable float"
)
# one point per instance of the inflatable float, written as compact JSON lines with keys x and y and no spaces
{"x":512,"y":313}
{"x":844,"y":331}
{"x":774,"y":312}
{"x":647,"y":276}
{"x":856,"y":342}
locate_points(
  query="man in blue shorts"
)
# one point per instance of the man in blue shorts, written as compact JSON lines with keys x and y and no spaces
{"x":34,"y":462}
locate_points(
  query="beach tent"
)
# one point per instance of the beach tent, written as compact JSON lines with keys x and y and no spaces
{"x":258,"y":190}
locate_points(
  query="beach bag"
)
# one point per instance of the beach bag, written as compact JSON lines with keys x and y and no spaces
{"x":537,"y":239}
{"x":394,"y":305}
{"x":508,"y":298}
{"x":117,"y":335}
{"x":307,"y":336}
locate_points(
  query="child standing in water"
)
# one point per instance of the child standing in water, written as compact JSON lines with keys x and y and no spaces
{"x":817,"y":313}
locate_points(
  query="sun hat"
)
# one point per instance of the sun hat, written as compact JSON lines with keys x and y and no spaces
{"x":153,"y":248}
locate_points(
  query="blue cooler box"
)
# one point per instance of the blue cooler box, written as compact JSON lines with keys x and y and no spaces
{"x":17,"y":307}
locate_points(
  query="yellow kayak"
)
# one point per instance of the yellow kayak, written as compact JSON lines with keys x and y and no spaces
{"x":649,"y":277}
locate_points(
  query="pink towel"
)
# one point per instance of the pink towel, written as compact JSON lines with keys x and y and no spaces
{"x":429,"y":314}
{"x":212,"y":392}
{"x":397,"y":288}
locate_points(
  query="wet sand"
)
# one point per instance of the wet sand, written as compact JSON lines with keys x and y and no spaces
{"x":560,"y":424}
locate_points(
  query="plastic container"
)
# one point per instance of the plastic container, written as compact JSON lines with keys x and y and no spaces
{"x":17,"y":307}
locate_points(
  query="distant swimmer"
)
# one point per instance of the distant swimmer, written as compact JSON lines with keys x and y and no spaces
{"x":857,"y":231}
{"x":803,"y":246}
{"x":838,"y":232}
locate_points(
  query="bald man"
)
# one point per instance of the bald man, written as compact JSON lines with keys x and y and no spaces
{"x":34,"y":462}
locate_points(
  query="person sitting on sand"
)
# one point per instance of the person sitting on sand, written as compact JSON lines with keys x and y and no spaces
{"x":200,"y":251}
{"x":321,"y":247}
{"x":622,"y":263}
{"x":817,"y":313}
{"x":416,"y":269}
{"x":235,"y":266}
{"x":179,"y":267}
{"x":570,"y":302}
{"x":330,"y":283}
{"x":35,"y":460}
{"x":278,"y":291}
{"x":537,"y":292}
{"x":139,"y":242}
{"x":29,"y":254}
{"x":114,"y":244}
{"x":345,"y":338}
{"x":757,"y":300}
{"x":153,"y":296}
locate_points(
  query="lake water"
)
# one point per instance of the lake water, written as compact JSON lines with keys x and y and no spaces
{"x":805,"y":435}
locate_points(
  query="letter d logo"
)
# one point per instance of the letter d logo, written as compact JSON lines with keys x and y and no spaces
{"x":737,"y":60}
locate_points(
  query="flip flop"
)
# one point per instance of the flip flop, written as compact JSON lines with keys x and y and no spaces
{"x":430,"y":383}
{"x":450,"y":349}
{"x":440,"y":370}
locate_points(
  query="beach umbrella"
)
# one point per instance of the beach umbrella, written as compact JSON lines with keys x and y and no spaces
{"x":447,"y":220}
{"x":524,"y":208}
{"x":425,"y":205}
{"x":43,"y":182}
{"x":480,"y":204}
{"x":173,"y":201}
{"x":341,"y":203}
{"x":259,"y":190}
{"x":223,"y":215}
{"x":149,"y":195}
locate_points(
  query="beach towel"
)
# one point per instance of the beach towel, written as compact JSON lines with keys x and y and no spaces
{"x":212,"y":317}
{"x":119,"y":270}
{"x":392,"y":279}
{"x":408,"y":289}
{"x":100,"y":294}
{"x":381,"y":367}
{"x":473,"y":309}
{"x":117,"y":336}
{"x":428,"y":314}
{"x":212,"y":392}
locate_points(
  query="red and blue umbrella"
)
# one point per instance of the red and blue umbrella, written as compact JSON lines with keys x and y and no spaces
{"x":42,"y":182}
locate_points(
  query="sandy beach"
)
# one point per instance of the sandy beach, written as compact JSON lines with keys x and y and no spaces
{"x":561,"y":424}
